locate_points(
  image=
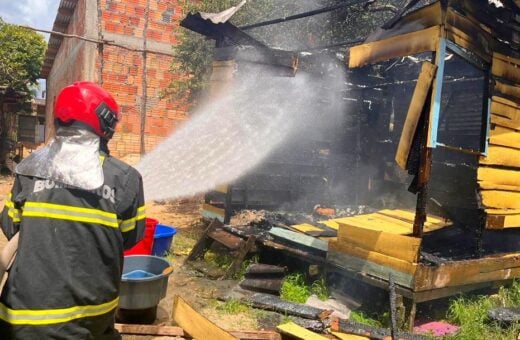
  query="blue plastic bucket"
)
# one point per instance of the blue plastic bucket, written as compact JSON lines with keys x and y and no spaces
{"x":162,"y":239}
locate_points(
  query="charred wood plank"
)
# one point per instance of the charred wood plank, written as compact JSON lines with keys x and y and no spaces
{"x":298,"y":253}
{"x":274,"y":303}
{"x":351,"y":327}
{"x":505,"y":316}
{"x":204,"y":241}
{"x":258,"y":270}
{"x":230,"y":241}
{"x":245,"y":248}
{"x":271,"y":286}
{"x":317,"y":326}
{"x":299,"y":240}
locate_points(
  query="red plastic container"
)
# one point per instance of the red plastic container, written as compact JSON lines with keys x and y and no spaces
{"x":145,"y":246}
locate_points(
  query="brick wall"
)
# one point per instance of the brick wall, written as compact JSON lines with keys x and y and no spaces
{"x":123,"y":21}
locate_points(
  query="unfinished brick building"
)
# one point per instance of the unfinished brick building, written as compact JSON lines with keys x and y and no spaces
{"x":133,"y":63}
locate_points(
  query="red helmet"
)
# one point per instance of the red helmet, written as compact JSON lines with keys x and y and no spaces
{"x":88,"y":103}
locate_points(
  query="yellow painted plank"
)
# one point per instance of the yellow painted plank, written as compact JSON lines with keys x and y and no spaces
{"x":415,"y":109}
{"x":505,"y":101}
{"x":505,"y":113}
{"x":402,"y":247}
{"x":484,"y":185}
{"x":371,"y":223}
{"x":394,"y":47}
{"x":330,"y":223}
{"x":298,"y":332}
{"x":506,"y":89}
{"x":195,"y":324}
{"x":346,"y":336}
{"x":492,"y":211}
{"x":374,"y":256}
{"x":305,"y":227}
{"x":504,"y":121}
{"x":505,"y":137}
{"x":501,"y":155}
{"x":505,"y":69}
{"x":432,"y":222}
{"x":500,"y":199}
{"x":499,"y":176}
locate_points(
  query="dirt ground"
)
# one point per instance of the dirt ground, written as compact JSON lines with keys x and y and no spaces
{"x":193,"y":286}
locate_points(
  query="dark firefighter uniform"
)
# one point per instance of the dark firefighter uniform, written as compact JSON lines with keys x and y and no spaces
{"x":64,"y":282}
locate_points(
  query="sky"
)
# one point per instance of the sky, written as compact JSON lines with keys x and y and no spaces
{"x":35,"y":13}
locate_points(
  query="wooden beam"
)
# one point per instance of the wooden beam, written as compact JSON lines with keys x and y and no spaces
{"x":425,"y":17}
{"x":459,"y":273}
{"x":394,"y":47}
{"x":420,"y":94}
{"x":196,"y":325}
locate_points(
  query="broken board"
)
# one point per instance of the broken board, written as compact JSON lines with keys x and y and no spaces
{"x":298,"y":332}
{"x":195,"y":324}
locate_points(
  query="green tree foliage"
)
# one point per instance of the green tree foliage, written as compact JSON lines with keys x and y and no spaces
{"x":194,"y":53}
{"x":21,"y":57}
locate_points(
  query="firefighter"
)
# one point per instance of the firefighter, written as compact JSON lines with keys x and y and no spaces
{"x":75,"y":209}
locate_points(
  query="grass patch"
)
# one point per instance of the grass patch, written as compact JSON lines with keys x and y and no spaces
{"x":361,"y":317}
{"x":241,"y":273}
{"x":320,"y":289}
{"x":218,"y":260}
{"x":471,"y":315}
{"x":295,"y":289}
{"x":233,"y":306}
{"x":184,"y":241}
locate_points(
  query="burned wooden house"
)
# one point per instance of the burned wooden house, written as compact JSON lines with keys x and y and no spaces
{"x":437,"y":111}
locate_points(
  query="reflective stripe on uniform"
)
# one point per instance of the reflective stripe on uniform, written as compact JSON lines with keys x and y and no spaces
{"x":53,"y":316}
{"x":70,"y":213}
{"x":12,"y":212}
{"x":129,"y":224}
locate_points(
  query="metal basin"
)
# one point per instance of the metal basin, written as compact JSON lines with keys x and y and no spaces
{"x":144,"y":281}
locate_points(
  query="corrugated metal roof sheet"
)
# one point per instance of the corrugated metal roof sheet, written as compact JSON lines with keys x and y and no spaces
{"x":61,"y":23}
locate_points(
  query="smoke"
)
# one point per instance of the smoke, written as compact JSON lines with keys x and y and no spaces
{"x":230,"y":136}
